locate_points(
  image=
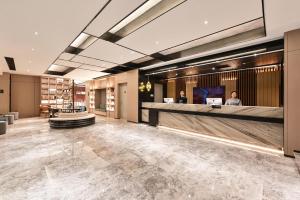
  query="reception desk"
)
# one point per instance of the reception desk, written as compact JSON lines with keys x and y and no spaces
{"x":262,"y":126}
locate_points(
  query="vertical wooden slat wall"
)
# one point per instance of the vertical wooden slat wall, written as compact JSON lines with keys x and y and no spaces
{"x":255,"y":87}
{"x":171,"y":89}
{"x":268,"y":86}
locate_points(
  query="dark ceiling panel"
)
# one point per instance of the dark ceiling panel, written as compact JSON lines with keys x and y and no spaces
{"x":11,"y":63}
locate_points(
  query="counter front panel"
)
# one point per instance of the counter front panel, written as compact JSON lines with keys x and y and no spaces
{"x":261,"y":126}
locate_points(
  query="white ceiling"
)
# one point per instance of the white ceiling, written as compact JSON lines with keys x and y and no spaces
{"x":58,"y":23}
{"x":111,"y":52}
{"x":66,"y":56}
{"x":93,"y":68}
{"x":83,"y":74}
{"x":188,"y":23}
{"x":67,"y":63}
{"x":111,"y":15}
{"x":92,"y":61}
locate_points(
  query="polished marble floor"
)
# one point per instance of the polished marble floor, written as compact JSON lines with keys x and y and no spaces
{"x":118,"y":160}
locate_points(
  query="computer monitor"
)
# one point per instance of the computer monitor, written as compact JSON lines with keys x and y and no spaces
{"x":168,"y":100}
{"x":214,"y":101}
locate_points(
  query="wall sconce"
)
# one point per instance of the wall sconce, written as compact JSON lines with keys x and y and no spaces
{"x":142,"y":87}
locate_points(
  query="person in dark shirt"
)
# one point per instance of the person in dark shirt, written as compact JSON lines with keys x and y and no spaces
{"x":182,"y":98}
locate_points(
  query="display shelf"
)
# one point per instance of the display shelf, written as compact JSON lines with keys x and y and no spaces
{"x":110,"y":99}
{"x":52,"y":93}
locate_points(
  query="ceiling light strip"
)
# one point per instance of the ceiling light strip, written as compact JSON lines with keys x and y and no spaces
{"x":196,"y":75}
{"x":83,"y":41}
{"x":148,"y":12}
{"x":138,"y":12}
{"x":212,"y":61}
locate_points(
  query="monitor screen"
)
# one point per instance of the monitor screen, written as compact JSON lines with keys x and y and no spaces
{"x":214,"y":101}
{"x":200,"y":94}
{"x":168,"y":100}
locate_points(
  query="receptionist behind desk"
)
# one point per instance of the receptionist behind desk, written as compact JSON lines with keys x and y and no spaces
{"x":182,"y":98}
{"x":233,"y":101}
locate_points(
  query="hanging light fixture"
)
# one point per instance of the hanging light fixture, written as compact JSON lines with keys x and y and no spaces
{"x":142,"y":87}
{"x":148,"y":85}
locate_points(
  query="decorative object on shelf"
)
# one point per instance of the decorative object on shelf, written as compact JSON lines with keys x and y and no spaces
{"x":142,"y":87}
{"x":110,"y":100}
{"x":148,"y":85}
{"x":55,"y":92}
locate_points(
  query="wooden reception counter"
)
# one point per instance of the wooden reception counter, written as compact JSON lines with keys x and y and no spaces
{"x":261,"y":126}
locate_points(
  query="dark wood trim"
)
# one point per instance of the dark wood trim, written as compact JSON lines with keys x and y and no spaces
{"x":71,"y":123}
{"x":269,"y":46}
{"x":289,"y":156}
{"x":73,"y":98}
{"x":10,"y":82}
{"x":264,"y":18}
{"x":153,"y":117}
{"x":221,"y":115}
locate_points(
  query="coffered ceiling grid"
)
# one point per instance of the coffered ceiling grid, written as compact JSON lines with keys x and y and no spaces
{"x":109,"y":54}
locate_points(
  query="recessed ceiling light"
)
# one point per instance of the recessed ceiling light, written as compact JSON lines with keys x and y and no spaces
{"x":29,"y":61}
{"x":205,"y":22}
{"x":141,"y":10}
{"x":156,"y":42}
{"x":36,"y":33}
{"x":28,"y":70}
{"x":32,"y":49}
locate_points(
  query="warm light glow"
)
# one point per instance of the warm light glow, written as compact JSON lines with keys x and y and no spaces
{"x":142,"y":87}
{"x":57,"y":68}
{"x":226,"y":141}
{"x":141,"y":10}
{"x":83,"y":41}
{"x":79,"y":40}
{"x":148,"y":86}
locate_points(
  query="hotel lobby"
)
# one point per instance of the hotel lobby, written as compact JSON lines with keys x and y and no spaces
{"x":150,"y":99}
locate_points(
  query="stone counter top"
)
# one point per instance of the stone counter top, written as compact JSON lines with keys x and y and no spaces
{"x":74,"y":117}
{"x":255,"y":111}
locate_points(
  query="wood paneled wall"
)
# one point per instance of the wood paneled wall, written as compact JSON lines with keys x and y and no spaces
{"x":189,"y":91}
{"x":255,"y":87}
{"x":246,"y":87}
{"x":4,"y":97}
{"x":268,"y":87}
{"x":26,"y":95}
{"x":171,"y":89}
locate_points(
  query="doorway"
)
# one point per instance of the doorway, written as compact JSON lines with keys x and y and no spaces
{"x":123,"y":100}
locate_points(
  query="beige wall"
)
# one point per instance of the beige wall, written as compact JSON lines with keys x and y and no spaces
{"x":26,"y":95}
{"x":131,"y":78}
{"x":4,"y":97}
{"x":291,"y":92}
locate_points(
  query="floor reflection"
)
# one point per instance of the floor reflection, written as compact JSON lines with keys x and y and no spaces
{"x":117,"y":160}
